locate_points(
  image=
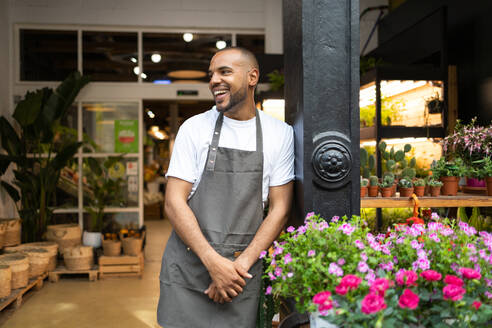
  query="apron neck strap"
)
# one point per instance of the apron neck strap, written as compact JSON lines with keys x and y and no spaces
{"x":216,"y":136}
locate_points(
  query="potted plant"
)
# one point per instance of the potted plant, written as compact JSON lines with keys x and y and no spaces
{"x":36,"y":153}
{"x":434,"y":104}
{"x":449,"y":174}
{"x":345,"y":276}
{"x":435,"y":187}
{"x":363,"y":186}
{"x":419,"y":187}
{"x":373,"y":186}
{"x":406,"y":187}
{"x":485,"y":171}
{"x":471,"y":143}
{"x":106,"y":191}
{"x":386,"y":186}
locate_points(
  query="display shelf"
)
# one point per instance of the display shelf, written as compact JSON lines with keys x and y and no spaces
{"x":460,"y":200}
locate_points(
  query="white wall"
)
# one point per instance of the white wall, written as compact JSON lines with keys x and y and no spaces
{"x":368,"y":21}
{"x":7,"y":208}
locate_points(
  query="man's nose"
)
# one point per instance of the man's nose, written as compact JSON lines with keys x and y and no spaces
{"x":214,"y":79}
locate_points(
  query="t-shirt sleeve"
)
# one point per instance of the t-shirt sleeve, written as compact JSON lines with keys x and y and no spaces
{"x":184,"y":158}
{"x":283,"y":168}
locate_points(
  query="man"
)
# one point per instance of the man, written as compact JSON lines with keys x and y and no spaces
{"x":226,"y":164}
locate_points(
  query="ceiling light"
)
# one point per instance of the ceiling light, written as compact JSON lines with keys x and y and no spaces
{"x":150,"y":113}
{"x":136,"y":70}
{"x":154,"y":128}
{"x":143,"y":75}
{"x":221,"y":44}
{"x":188,"y":37}
{"x":156,"y":58}
{"x":133,"y":60}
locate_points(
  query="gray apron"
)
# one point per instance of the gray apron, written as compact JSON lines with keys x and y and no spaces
{"x":228,"y":205}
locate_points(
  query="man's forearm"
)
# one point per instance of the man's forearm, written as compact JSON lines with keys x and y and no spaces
{"x":186,"y":226}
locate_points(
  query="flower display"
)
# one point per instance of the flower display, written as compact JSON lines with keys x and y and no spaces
{"x":416,"y":273}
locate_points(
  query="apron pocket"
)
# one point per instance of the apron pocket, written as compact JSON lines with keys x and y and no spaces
{"x":188,"y":271}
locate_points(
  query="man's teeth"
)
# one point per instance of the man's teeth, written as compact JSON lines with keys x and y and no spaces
{"x":219,"y":92}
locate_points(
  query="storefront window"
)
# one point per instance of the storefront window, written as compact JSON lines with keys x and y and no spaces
{"x":47,"y":55}
{"x":110,"y":56}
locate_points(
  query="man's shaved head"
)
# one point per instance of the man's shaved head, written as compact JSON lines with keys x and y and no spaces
{"x":246,"y":54}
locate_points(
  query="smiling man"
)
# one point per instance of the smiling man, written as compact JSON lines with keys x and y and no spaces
{"x":226,"y":165}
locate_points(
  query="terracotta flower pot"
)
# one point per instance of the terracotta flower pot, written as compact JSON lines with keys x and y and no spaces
{"x":450,"y":186}
{"x":419,"y":190}
{"x":406,"y":192}
{"x":373,"y":191}
{"x":489,"y":185}
{"x":394,"y":188}
{"x":387,"y":192}
{"x":435,"y":191}
{"x":363,"y":191}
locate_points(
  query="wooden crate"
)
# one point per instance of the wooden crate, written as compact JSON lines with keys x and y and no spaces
{"x":121,"y":266}
{"x":61,"y":270}
{"x":16,"y":295}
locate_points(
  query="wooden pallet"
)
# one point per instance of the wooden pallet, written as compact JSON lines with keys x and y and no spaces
{"x":61,"y":270}
{"x":121,"y":266}
{"x":16,"y":295}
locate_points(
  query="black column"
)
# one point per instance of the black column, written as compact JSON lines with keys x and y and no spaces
{"x":321,"y":53}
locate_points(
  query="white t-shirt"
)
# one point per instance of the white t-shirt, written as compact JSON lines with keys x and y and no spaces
{"x":195,"y":135}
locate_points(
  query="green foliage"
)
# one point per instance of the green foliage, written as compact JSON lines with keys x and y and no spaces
{"x":367,"y":162}
{"x":419,"y":183}
{"x":364,"y":182}
{"x":408,"y":173}
{"x":387,"y":182}
{"x":390,"y":112}
{"x":106,"y":191}
{"x":434,"y":183}
{"x":373,"y":180}
{"x":405,"y":183}
{"x":480,"y":169}
{"x":443,"y":168}
{"x":276,"y":80}
{"x":396,"y":162}
{"x":36,"y":153}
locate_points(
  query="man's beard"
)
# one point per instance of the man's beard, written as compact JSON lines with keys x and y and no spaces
{"x":234,"y":100}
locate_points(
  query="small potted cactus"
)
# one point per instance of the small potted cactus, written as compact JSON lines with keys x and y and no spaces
{"x":363,"y":186}
{"x":419,"y":187}
{"x":373,"y":186}
{"x":406,"y":187}
{"x":435,"y":187}
{"x":386,"y":186}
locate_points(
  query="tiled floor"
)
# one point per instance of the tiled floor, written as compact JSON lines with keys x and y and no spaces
{"x":113,"y":302}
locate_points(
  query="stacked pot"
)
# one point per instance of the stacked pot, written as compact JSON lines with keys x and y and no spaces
{"x":10,"y":232}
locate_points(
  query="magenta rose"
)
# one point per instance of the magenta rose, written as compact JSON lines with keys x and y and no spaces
{"x":431,"y":275}
{"x":406,"y":278}
{"x":341,"y":289}
{"x":380,"y":285}
{"x":477,"y":305}
{"x":453,"y":292}
{"x":469,"y":273}
{"x":372,"y":303}
{"x":408,"y":300}
{"x":320,"y":298}
{"x":453,"y":280}
{"x":348,"y":282}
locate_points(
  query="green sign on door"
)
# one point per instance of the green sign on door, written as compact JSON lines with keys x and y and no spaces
{"x":126,"y":136}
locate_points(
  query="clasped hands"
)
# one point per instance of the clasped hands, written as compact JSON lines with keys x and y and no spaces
{"x":227,"y":279}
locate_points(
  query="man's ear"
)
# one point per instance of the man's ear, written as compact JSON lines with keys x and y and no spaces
{"x":253,"y":77}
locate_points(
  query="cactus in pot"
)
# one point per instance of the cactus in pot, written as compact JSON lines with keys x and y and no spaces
{"x":373,"y":186}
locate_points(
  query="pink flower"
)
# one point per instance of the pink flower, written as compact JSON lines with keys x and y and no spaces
{"x":335,"y":218}
{"x":362,"y":267}
{"x":263,"y":254}
{"x":380,"y":285}
{"x":291,"y":229}
{"x":348,"y":282}
{"x":477,"y":304}
{"x":321,"y":298}
{"x":287,"y":258}
{"x":341,"y":261}
{"x":408,"y":300}
{"x":453,"y":292}
{"x":359,"y":244}
{"x":341,"y":289}
{"x":470,"y":273}
{"x":406,"y":278}
{"x":453,"y":280}
{"x":372,"y":303}
{"x":268,"y":290}
{"x":431,"y":275}
{"x":311,"y":252}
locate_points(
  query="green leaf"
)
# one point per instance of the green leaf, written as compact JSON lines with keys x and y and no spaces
{"x":9,"y":138}
{"x":13,"y":193}
{"x":65,"y":155}
{"x":63,"y":97}
{"x":27,"y":110}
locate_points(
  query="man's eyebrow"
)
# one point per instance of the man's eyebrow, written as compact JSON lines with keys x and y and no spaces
{"x":220,"y":68}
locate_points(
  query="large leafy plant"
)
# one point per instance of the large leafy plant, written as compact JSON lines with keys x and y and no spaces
{"x":106,"y":190}
{"x":36,"y":153}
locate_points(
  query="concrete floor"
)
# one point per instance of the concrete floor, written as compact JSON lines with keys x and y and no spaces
{"x":113,"y":302}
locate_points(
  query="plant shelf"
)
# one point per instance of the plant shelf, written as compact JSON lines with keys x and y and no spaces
{"x":460,"y":200}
